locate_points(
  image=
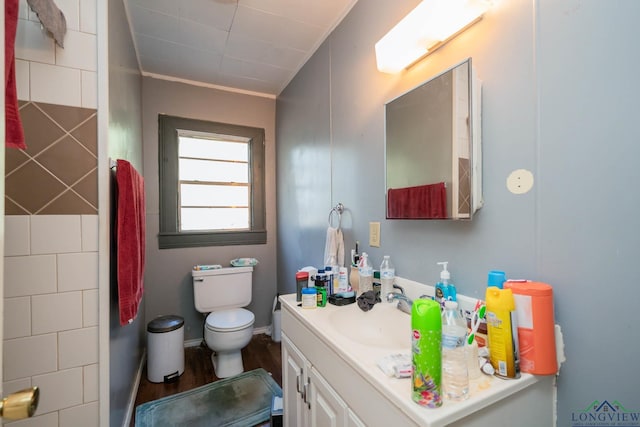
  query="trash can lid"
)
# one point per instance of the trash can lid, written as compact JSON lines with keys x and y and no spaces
{"x":165,"y":324}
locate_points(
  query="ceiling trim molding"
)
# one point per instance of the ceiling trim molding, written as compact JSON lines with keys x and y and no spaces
{"x":207,"y":85}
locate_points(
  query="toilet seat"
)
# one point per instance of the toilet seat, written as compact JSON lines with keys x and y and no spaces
{"x":230,"y":320}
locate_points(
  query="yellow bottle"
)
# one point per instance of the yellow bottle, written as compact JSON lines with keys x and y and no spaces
{"x":502,"y":330}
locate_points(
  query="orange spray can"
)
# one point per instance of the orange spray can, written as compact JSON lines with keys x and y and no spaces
{"x":536,"y":326}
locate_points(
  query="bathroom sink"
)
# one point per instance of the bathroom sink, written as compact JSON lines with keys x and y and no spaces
{"x":383,"y":326}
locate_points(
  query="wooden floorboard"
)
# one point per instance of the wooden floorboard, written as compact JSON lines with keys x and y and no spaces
{"x":261,"y":352}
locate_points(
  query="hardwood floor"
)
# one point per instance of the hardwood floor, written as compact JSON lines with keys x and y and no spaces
{"x":261,"y":352}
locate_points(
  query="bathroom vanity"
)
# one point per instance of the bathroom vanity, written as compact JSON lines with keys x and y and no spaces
{"x":331,"y":378}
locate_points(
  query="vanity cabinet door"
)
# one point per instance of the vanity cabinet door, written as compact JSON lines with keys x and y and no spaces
{"x":353,"y":420}
{"x":295,"y":386}
{"x":327,"y":408}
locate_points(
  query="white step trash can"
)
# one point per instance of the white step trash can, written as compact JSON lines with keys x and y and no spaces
{"x":165,"y":349}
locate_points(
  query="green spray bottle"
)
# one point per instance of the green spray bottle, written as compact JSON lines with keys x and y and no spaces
{"x":426,"y":339}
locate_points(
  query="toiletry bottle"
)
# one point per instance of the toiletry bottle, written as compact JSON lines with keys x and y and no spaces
{"x":455,"y":377}
{"x":426,"y":341}
{"x":445,"y":291}
{"x":387,"y":276}
{"x":536,"y":326}
{"x":502,"y":330}
{"x":365,"y":274}
{"x":354,"y":275}
{"x":309,"y":298}
{"x":302,"y":279}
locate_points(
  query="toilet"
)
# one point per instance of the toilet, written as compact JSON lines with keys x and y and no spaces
{"x":228,"y":328}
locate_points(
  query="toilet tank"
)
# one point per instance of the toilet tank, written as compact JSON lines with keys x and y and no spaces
{"x":221,"y":289}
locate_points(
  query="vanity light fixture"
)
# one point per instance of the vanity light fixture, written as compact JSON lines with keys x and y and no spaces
{"x":427,"y":27}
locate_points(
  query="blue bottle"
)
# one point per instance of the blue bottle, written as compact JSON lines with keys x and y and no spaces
{"x":445,"y":291}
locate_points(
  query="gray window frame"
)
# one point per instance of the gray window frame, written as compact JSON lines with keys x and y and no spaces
{"x":170,"y":235}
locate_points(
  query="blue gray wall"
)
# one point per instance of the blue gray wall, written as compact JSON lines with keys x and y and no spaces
{"x":126,"y":343}
{"x":560,"y":93}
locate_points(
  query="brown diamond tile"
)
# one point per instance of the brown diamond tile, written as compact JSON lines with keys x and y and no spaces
{"x":68,"y":204}
{"x":88,"y":187}
{"x":11,"y":208}
{"x":67,"y":160}
{"x":67,"y":117}
{"x":32,"y":187}
{"x":39,"y":130}
{"x":87,"y":134}
{"x":13,"y":158}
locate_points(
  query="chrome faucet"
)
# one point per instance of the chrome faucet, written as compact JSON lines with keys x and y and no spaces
{"x":404,"y":303}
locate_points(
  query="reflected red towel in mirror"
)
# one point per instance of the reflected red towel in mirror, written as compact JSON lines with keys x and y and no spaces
{"x":422,"y":201}
{"x":130,"y":229}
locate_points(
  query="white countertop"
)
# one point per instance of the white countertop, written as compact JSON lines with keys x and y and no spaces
{"x":384,"y":319}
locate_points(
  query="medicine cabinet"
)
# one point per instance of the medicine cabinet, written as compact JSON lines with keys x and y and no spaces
{"x":433,"y":148}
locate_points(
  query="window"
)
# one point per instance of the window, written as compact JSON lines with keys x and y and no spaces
{"x":211,"y":183}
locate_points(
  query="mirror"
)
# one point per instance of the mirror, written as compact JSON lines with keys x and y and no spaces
{"x":433,"y":148}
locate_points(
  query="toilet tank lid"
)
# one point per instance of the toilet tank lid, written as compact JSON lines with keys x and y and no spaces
{"x":220,"y":271}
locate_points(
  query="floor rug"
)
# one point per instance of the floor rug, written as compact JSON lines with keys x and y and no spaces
{"x":243,"y":400}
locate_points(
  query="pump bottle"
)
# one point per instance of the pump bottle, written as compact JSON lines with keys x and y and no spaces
{"x":445,"y":291}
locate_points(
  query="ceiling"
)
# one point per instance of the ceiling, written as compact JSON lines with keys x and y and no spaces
{"x":252,"y":46}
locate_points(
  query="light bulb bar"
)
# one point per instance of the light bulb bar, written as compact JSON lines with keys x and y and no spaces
{"x":427,"y":27}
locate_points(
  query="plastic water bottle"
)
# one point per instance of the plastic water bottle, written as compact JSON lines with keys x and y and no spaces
{"x":365,"y":273}
{"x":455,"y":377}
{"x":387,"y":276}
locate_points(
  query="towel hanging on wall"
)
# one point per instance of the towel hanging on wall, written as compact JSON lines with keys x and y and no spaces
{"x":14,"y":132}
{"x":130,"y":229}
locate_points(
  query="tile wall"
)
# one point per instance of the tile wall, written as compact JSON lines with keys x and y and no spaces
{"x":51,"y":314}
{"x":51,"y":228}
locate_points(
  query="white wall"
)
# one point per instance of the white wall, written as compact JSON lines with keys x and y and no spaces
{"x":560,"y":91}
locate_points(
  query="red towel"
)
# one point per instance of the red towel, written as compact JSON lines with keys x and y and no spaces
{"x":14,"y":131}
{"x":130,"y":228}
{"x":420,"y":202}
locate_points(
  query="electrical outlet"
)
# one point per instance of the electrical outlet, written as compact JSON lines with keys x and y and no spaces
{"x":374,"y":234}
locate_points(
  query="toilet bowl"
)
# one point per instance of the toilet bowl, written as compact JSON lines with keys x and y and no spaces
{"x":227,"y":332}
{"x":228,"y":327}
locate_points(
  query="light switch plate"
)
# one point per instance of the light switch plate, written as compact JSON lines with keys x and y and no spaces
{"x":374,"y":234}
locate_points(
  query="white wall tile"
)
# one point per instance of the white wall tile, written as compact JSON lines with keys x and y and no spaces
{"x":29,"y":275}
{"x":56,"y":312}
{"x":88,"y":22}
{"x":55,"y":85}
{"x":90,"y":308}
{"x":17,"y":317}
{"x":55,"y":233}
{"x":16,"y":238}
{"x":77,"y":271}
{"x":78,"y":347}
{"x":22,"y":80}
{"x":71,"y":11}
{"x":9,"y":387}
{"x":83,"y":415}
{"x":24,"y":357}
{"x":33,"y":43}
{"x":91,"y":389}
{"x":89,"y":232}
{"x":89,"y":89}
{"x":46,"y":420}
{"x":59,"y":390}
{"x":80,"y":51}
